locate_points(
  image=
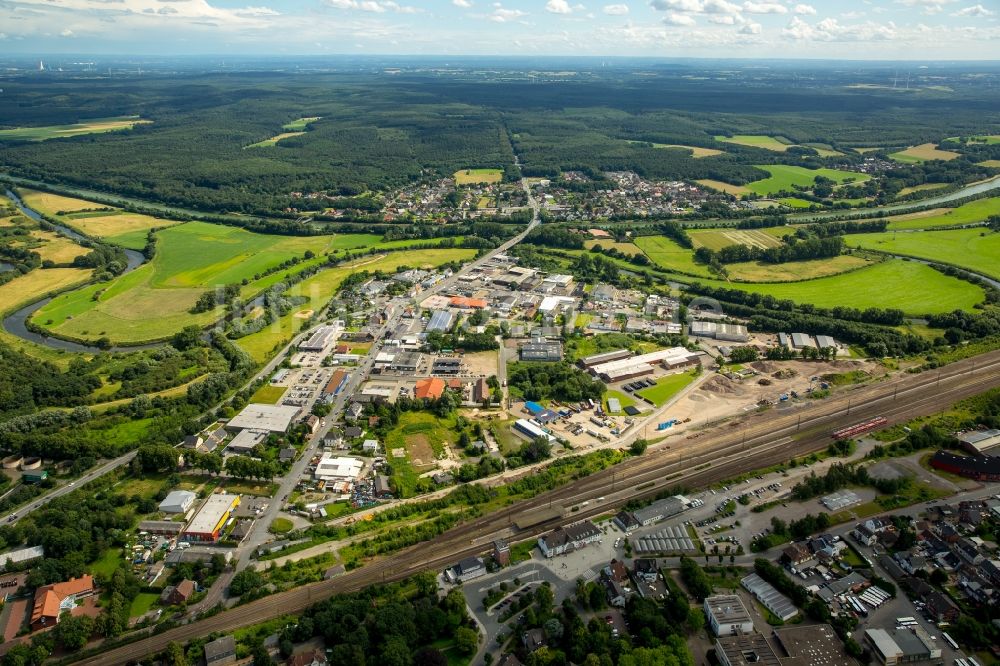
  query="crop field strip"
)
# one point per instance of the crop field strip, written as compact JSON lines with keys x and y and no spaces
{"x":94,"y":126}
{"x":696,"y":152}
{"x":716,"y":239}
{"x":478,"y":176}
{"x":923,"y":153}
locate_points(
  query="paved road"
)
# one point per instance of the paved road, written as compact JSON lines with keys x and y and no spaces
{"x":95,"y":473}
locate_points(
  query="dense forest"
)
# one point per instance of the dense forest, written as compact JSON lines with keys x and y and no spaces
{"x":375,"y":133}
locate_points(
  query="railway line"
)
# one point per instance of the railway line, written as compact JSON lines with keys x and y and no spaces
{"x":754,"y":442}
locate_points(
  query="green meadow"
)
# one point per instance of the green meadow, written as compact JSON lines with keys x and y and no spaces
{"x":786,"y":178}
{"x":976,"y":249}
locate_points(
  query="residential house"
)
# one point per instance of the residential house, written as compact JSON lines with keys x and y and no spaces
{"x":220,"y":651}
{"x":174,"y":595}
{"x":315,"y":657}
{"x":645,"y":569}
{"x":51,"y":600}
{"x":941,"y":607}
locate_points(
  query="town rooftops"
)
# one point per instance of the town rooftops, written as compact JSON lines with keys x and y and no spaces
{"x":431,"y":388}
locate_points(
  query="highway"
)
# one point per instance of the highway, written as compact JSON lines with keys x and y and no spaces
{"x":759,"y":441}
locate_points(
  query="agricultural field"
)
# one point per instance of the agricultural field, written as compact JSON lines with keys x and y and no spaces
{"x":153,"y":302}
{"x":696,"y":151}
{"x":968,"y":213}
{"x":975,"y":249}
{"x":921,"y":188}
{"x":273,"y":141}
{"x":48,"y":203}
{"x":667,"y":387}
{"x":94,"y":126}
{"x":989,"y":139}
{"x":478,"y":176}
{"x":753,"y":271}
{"x":923,"y":153}
{"x":319,"y":288}
{"x":718,"y":185}
{"x":56,"y":248}
{"x":666,"y":253}
{"x":823,"y":149}
{"x":758,"y":141}
{"x":37,"y":283}
{"x":716,"y":239}
{"x":793,"y":202}
{"x":97,"y":220}
{"x":609,"y":244}
{"x":787,"y":178}
{"x":889,"y":284}
{"x":995,"y":164}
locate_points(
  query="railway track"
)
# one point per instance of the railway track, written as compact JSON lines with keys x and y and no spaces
{"x":726,"y":451}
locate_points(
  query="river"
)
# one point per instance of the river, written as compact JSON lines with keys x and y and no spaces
{"x":16,"y":323}
{"x":967,"y":191}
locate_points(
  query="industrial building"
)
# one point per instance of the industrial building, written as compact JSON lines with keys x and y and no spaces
{"x":980,"y":468}
{"x":336,"y":384}
{"x":441,"y":320}
{"x":654,"y":513}
{"x":245,"y":441}
{"x":800,"y":340}
{"x":637,"y":366}
{"x":21,"y":555}
{"x":270,"y":418}
{"x":321,"y":339}
{"x":606,"y":357}
{"x":177,"y":501}
{"x":551,"y":304}
{"x":825,"y":341}
{"x":429,"y":389}
{"x":446,"y":366}
{"x":815,"y":645}
{"x":720,"y":331}
{"x":774,"y":601}
{"x":745,"y":650}
{"x":727,"y":615}
{"x":541,"y":351}
{"x":901,"y":646}
{"x":334,"y":469}
{"x":526,"y":428}
{"x":211,"y":518}
{"x":464,"y":303}
{"x":978,"y":441}
{"x":405,"y":361}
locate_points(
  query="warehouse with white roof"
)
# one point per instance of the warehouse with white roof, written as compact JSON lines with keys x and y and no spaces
{"x":269,"y":418}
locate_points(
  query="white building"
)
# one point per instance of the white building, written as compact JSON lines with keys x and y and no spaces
{"x":178,"y":501}
{"x":246,"y":440}
{"x":333,"y":469}
{"x":727,"y":615}
{"x":270,"y":418}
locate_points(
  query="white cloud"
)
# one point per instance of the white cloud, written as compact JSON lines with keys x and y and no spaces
{"x":724,"y":19}
{"x":464,"y":4}
{"x":929,"y":6}
{"x":974,"y":10}
{"x":558,"y":7}
{"x":751,"y":29}
{"x":850,"y":16}
{"x":371,"y":6}
{"x":764,"y":8}
{"x":674,"y":18}
{"x":256,"y":11}
{"x":697,"y":6}
{"x":66,"y":32}
{"x":805,"y":10}
{"x":502,"y":15}
{"x":830,"y":30}
{"x":616,"y":10}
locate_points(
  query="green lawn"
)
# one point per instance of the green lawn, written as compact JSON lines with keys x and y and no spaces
{"x":976,"y":249}
{"x":785,"y":178}
{"x":142,"y":603}
{"x":269,"y":395}
{"x":624,"y":398}
{"x":109,"y":561}
{"x":889,"y":284}
{"x":478,"y":176}
{"x":280,"y":526}
{"x":969,"y":213}
{"x":666,"y":253}
{"x":793,"y":202}
{"x":667,"y":387}
{"x":153,"y":302}
{"x":300,"y":124}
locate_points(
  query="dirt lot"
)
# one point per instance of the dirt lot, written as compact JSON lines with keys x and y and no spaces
{"x":719,"y":397}
{"x":481,"y":364}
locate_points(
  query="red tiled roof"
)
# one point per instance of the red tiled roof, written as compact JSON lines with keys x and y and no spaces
{"x":429,"y":388}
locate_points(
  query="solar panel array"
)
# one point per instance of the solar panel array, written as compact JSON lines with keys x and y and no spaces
{"x":670,"y":539}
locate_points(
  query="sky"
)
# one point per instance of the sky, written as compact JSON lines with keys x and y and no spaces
{"x":837,"y":29}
